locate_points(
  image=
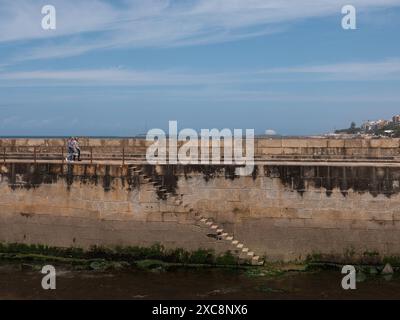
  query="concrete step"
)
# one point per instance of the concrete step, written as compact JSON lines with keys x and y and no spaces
{"x":244,"y":257}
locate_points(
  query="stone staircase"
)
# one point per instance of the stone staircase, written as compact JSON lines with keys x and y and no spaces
{"x":243,"y":252}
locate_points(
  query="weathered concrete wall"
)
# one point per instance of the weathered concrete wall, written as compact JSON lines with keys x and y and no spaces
{"x":89,"y":205}
{"x":283,"y":212}
{"x":341,"y":148}
{"x":264,"y":148}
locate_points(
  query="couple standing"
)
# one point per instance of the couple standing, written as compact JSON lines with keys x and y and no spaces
{"x":73,"y":150}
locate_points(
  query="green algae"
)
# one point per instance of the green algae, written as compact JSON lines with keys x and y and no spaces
{"x":102,"y":258}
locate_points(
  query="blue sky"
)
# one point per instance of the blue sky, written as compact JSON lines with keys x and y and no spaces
{"x":124,"y":67}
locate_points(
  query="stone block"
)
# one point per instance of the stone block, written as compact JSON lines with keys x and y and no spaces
{"x":353,"y":143}
{"x":384,"y":143}
{"x":270,"y":151}
{"x":292,"y":151}
{"x":336,"y":143}
{"x":316,"y":143}
{"x":290,"y":223}
{"x":269,"y":143}
{"x":294,"y":143}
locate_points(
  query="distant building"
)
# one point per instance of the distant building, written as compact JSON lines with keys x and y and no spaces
{"x":396,"y":118}
{"x":382,"y":123}
{"x":367,"y":125}
{"x":389,"y":128}
{"x":374,"y":125}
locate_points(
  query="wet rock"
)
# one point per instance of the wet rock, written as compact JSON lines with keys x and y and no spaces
{"x":294,"y":267}
{"x":219,"y":292}
{"x":387,"y":269}
{"x":26,"y":266}
{"x":373,"y":270}
{"x":151,"y":264}
{"x":361,"y":277}
{"x":270,"y":290}
{"x":214,"y":292}
{"x":120,"y":265}
{"x":388,"y":277}
{"x":158,"y":270}
{"x":98,"y":265}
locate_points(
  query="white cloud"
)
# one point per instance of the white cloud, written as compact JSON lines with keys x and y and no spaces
{"x":387,"y":66}
{"x":352,"y":71}
{"x":140,"y":23}
{"x":118,"y":76}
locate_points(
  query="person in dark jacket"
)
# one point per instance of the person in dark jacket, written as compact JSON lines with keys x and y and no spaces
{"x":70,"y":150}
{"x":77,"y":149}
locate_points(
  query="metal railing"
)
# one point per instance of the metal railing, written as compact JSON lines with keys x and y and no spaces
{"x":138,"y":153}
{"x":88,"y":153}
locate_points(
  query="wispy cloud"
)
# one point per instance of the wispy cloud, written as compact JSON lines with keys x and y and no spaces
{"x":358,"y":71}
{"x":83,"y":26}
{"x":117,"y":76}
{"x":351,"y":71}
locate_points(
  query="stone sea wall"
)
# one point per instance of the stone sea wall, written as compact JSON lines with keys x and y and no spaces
{"x":263,"y":147}
{"x":283,"y":212}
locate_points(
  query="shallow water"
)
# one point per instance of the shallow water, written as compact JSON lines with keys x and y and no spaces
{"x":190,"y":284}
